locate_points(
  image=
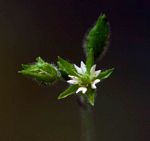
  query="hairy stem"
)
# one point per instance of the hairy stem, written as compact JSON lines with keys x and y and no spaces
{"x":87,"y":122}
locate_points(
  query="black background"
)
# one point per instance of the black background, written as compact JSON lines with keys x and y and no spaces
{"x":31,"y":28}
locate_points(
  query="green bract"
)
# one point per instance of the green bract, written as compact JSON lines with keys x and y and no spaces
{"x":105,"y":74}
{"x":69,"y":91}
{"x":65,"y":67}
{"x":41,"y":71}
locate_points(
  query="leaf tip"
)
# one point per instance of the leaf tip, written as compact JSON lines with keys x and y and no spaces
{"x":61,"y":96}
{"x":92,"y":104}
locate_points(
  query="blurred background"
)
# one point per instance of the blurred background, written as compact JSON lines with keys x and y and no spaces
{"x":32,"y":28}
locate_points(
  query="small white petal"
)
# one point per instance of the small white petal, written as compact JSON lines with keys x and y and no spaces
{"x":92,"y":72}
{"x":93,"y":69}
{"x":72,"y":81}
{"x":79,"y":70}
{"x":83,"y":67}
{"x":97,"y":72}
{"x":93,"y":85}
{"x":83,"y":89}
{"x":73,"y":77}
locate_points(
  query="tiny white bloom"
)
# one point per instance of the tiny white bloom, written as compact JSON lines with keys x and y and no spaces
{"x":79,"y":70}
{"x":73,"y":77}
{"x":94,"y":73}
{"x":82,"y":89}
{"x":84,"y":79}
{"x":72,"y":81}
{"x":93,"y":84}
{"x":83,"y":67}
{"x":97,"y":72}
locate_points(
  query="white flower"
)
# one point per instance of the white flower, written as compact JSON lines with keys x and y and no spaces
{"x":83,"y":89}
{"x":84,"y":79}
{"x":74,"y":80}
{"x":93,"y":85}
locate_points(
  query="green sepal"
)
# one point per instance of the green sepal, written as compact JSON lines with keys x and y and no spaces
{"x":91,"y":96}
{"x":98,"y":37}
{"x":105,"y":74}
{"x":41,"y":71}
{"x":65,"y":67}
{"x":71,"y":90}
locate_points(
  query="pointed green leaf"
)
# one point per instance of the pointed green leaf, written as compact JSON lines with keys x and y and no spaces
{"x":91,"y":96}
{"x":25,"y":66}
{"x":105,"y":74}
{"x":98,"y":37}
{"x":65,"y":66}
{"x":71,"y":90}
{"x":41,"y":71}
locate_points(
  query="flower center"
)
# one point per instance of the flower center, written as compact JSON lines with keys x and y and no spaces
{"x":85,"y":80}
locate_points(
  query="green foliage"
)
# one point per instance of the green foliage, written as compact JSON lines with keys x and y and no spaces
{"x":98,"y":37}
{"x":41,"y":71}
{"x":65,"y":67}
{"x":71,"y":90}
{"x":95,"y":46}
{"x":91,"y":96}
{"x":105,"y":74}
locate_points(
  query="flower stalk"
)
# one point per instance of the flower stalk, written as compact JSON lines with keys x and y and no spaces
{"x":87,"y":121}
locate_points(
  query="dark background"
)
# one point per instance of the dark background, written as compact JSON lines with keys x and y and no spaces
{"x":31,"y":28}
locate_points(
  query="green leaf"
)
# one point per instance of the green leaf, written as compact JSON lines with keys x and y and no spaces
{"x":25,"y":66}
{"x":71,"y":90}
{"x":105,"y":74}
{"x":98,"y":37}
{"x":91,"y":96}
{"x":41,"y":71}
{"x":65,"y":67}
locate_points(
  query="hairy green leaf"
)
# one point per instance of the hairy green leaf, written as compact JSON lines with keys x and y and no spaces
{"x":98,"y":37}
{"x":71,"y":90}
{"x":65,"y":67}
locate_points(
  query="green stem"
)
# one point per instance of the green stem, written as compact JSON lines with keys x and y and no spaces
{"x":90,"y":60}
{"x":87,"y":122}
